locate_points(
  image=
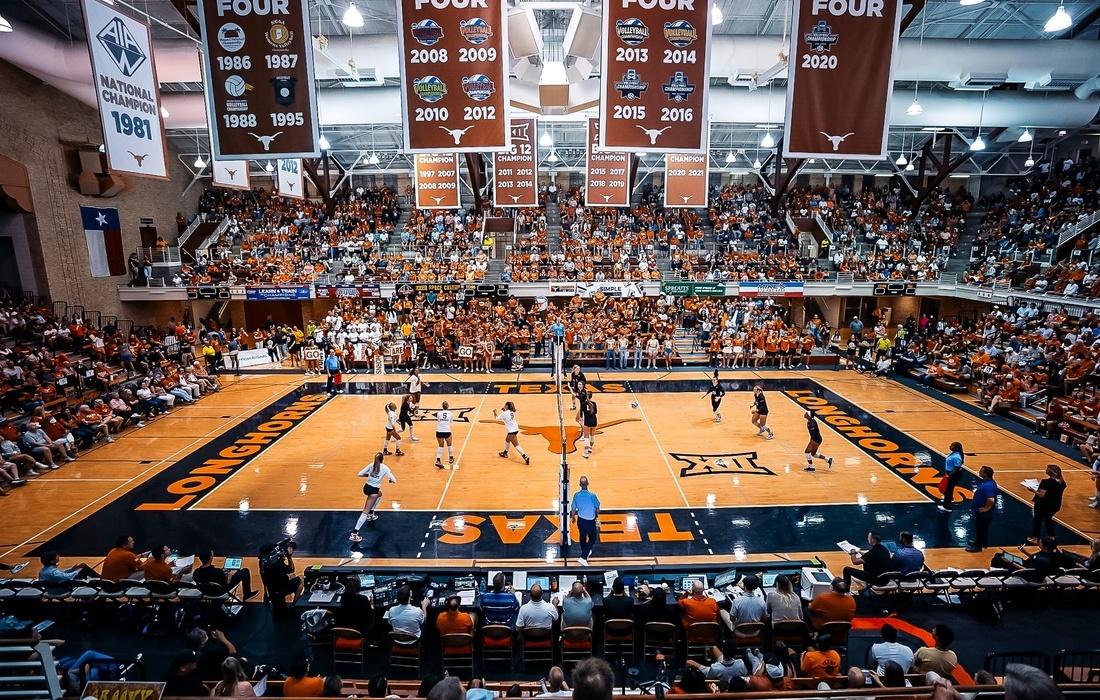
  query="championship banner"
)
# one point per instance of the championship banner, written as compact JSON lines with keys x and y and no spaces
{"x":686,"y":176}
{"x":840,"y":78}
{"x":257,"y":58}
{"x":126,"y":90}
{"x":436,"y":178}
{"x":770,"y":289}
{"x":515,"y":172}
{"x":230,"y":173}
{"x":454,"y":75}
{"x":290,"y":182}
{"x":606,"y":173}
{"x":654,"y":75}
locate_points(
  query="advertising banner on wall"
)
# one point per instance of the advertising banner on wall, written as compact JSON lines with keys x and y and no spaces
{"x":436,"y":178}
{"x":454,"y":75}
{"x":257,"y":58}
{"x":610,"y":289}
{"x":688,"y":289}
{"x":277,"y":293}
{"x":358,"y":291}
{"x":291,"y":182}
{"x":230,"y":173}
{"x":606,"y":173}
{"x":770,"y":289}
{"x":686,"y":177}
{"x":654,"y":75}
{"x":840,"y":78}
{"x":515,"y":172}
{"x":127,"y":91}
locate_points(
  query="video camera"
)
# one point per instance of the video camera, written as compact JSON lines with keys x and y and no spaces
{"x":274,"y":555}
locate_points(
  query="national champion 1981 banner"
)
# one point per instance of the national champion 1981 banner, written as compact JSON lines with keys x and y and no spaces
{"x":606,"y":173}
{"x":515,"y":172}
{"x":435,"y":179}
{"x":840,"y":78}
{"x":127,"y":91}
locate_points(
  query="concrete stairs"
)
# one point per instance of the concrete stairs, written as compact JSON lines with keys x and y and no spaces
{"x":961,"y":260}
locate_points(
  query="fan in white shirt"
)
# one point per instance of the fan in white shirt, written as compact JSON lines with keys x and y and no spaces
{"x":507,"y":416}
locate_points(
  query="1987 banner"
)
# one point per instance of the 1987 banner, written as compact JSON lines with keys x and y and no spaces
{"x":606,"y":173}
{"x":436,"y":178}
{"x":840,"y":78}
{"x":515,"y":173}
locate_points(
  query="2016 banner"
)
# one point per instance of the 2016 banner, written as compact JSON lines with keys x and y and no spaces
{"x":606,"y":173}
{"x":290,"y":180}
{"x":840,"y":78}
{"x":654,"y":75}
{"x":436,"y":178}
{"x":126,"y":88}
{"x":686,"y":180}
{"x":261,"y":101}
{"x":230,"y":173}
{"x":515,"y":173}
{"x":454,"y":76}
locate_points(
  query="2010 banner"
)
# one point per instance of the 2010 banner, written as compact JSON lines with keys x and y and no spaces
{"x":840,"y":78}
{"x":606,"y":173}
{"x":127,"y":91}
{"x":686,"y":180}
{"x":261,"y":101}
{"x":515,"y":173}
{"x":232,"y":174}
{"x":654,"y":75}
{"x":291,"y":180}
{"x":436,"y":179}
{"x":454,"y":75}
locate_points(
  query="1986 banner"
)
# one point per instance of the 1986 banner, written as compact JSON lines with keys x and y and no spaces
{"x":515,"y":173}
{"x":686,"y":180}
{"x":840,"y":78}
{"x":654,"y":75}
{"x":436,"y":179}
{"x":454,"y":75}
{"x":258,"y":66}
{"x":606,"y":173}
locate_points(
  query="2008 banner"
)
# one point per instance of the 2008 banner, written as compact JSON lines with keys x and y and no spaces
{"x":515,"y":173}
{"x":454,"y":76}
{"x":840,"y":78}
{"x":126,"y":88}
{"x":606,"y":173}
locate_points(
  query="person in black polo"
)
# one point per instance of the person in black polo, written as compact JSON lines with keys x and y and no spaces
{"x":208,"y":573}
{"x":875,"y":562}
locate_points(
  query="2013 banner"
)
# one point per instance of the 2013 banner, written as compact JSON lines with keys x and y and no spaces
{"x":257,"y":58}
{"x":232,"y":174}
{"x":606,"y":173}
{"x":291,"y":181}
{"x":515,"y":173}
{"x":686,"y":180}
{"x":127,"y":91}
{"x":840,"y":78}
{"x":436,"y":178}
{"x":454,"y":75}
{"x":654,"y":75}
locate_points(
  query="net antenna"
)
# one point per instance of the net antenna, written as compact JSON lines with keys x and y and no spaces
{"x":563,"y":470}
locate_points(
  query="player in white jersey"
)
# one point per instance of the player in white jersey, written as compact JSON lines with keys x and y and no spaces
{"x":415,"y":385}
{"x":376,"y":473}
{"x":392,"y":430}
{"x":443,"y":419}
{"x":507,"y":416}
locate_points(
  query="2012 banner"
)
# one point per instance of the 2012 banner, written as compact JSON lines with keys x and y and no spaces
{"x":127,"y":91}
{"x":291,"y":179}
{"x":606,"y":173}
{"x":261,"y":101}
{"x":515,"y":173}
{"x":840,"y":78}
{"x":654,"y":75}
{"x":454,"y":75}
{"x":436,"y":179}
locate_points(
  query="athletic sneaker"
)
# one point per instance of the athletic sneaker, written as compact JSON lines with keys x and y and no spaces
{"x":769,"y":436}
{"x":718,"y":418}
{"x":33,"y":472}
{"x":414,"y":439}
{"x":41,"y":467}
{"x":829,"y":461}
{"x":371,"y":517}
{"x":810,"y":468}
{"x":355,"y":536}
{"x":587,"y":453}
{"x":438,"y":464}
{"x":526,"y":459}
{"x":941,"y":509}
{"x":451,"y":459}
{"x":139,"y":424}
{"x":18,"y":567}
{"x":399,"y":453}
{"x":582,"y":561}
{"x":386,"y":452}
{"x":502,"y":454}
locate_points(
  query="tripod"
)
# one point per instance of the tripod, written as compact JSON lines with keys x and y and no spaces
{"x":659,"y":685}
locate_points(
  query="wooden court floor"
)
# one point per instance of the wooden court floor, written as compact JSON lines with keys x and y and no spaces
{"x":675,"y":485}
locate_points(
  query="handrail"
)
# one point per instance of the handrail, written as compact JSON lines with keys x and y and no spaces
{"x":214,"y":235}
{"x":1072,"y":230}
{"x":198,"y":220}
{"x":825,"y":228}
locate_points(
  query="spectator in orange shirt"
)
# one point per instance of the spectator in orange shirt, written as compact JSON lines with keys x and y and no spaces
{"x":157,"y":567}
{"x":697,"y":607}
{"x":453,"y":620}
{"x":300,"y":684}
{"x":821,"y":661}
{"x":835,"y":605}
{"x":121,"y":562}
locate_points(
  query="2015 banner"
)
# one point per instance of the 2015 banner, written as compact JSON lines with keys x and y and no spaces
{"x":232,"y":174}
{"x":261,"y":101}
{"x":655,"y":74}
{"x":515,"y":173}
{"x":686,"y":180}
{"x":290,"y":179}
{"x":126,"y":88}
{"x":840,"y":78}
{"x":436,"y":178}
{"x":454,"y":75}
{"x":606,"y":173}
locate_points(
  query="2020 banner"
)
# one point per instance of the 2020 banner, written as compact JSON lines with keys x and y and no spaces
{"x":686,"y":180}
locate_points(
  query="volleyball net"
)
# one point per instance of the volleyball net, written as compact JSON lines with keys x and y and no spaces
{"x":558,"y":354}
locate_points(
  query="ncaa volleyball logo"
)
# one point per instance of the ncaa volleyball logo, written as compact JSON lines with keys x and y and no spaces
{"x":479,"y":87}
{"x":680,"y":33}
{"x":429,"y":88}
{"x":631,"y":31}
{"x":476,"y":31}
{"x":236,"y":86}
{"x":231,"y":36}
{"x":427,"y":32}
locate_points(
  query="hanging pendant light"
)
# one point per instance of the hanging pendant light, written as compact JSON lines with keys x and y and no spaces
{"x":352,"y":16}
{"x":1059,"y":20}
{"x":767,"y":141}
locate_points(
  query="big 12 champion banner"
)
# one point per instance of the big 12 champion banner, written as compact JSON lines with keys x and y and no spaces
{"x":261,"y":101}
{"x":606,"y":173}
{"x":436,"y":179}
{"x":515,"y":173}
{"x":454,"y":75}
{"x":126,"y":88}
{"x":840,"y":78}
{"x":654,"y":75}
{"x":686,"y":177}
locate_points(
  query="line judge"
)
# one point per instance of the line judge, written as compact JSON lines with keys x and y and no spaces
{"x":586,"y":511}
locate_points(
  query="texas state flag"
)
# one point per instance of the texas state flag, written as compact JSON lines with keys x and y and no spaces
{"x":103,"y":232}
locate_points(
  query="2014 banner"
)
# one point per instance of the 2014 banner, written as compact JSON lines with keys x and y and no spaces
{"x":686,"y":180}
{"x":436,"y":178}
{"x":454,"y":75}
{"x":606,"y":173}
{"x":261,"y":101}
{"x":127,"y":91}
{"x":515,"y":172}
{"x":840,"y":78}
{"x":291,"y":182}
{"x":232,"y":174}
{"x":654,"y":75}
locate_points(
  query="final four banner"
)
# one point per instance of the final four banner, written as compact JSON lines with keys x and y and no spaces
{"x":127,"y":91}
{"x":840,"y":78}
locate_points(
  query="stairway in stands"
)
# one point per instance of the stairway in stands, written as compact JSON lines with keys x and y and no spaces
{"x":553,"y":225}
{"x":961,"y":260}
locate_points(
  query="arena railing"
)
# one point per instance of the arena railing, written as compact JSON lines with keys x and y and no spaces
{"x":25,"y":678}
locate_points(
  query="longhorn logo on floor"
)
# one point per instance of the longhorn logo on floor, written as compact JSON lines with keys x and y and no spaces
{"x":552,"y":433}
{"x":725,"y":464}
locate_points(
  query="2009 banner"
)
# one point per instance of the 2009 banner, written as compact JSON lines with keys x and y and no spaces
{"x":436,"y":179}
{"x":606,"y":173}
{"x":126,"y":88}
{"x":454,"y":75}
{"x":515,"y":173}
{"x":840,"y":77}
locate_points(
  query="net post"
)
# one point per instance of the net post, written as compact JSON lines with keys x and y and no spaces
{"x":563,"y":471}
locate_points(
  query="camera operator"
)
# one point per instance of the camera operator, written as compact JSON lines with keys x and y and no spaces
{"x":277,"y":573}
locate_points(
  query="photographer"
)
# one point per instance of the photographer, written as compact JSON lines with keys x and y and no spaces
{"x":277,"y":573}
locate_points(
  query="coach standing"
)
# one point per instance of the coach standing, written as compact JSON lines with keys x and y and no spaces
{"x":586,"y":511}
{"x":985,"y":499}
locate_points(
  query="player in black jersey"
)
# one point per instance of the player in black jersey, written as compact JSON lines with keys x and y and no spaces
{"x":577,"y":383}
{"x":586,"y":416}
{"x":760,"y":412}
{"x":815,"y":442}
{"x":405,"y":416}
{"x":716,"y":392}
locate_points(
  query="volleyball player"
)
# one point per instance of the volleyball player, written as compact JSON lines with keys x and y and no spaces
{"x":760,"y":412}
{"x":507,"y":416}
{"x":405,"y":416}
{"x":415,"y":385}
{"x":577,"y":385}
{"x":587,"y":418}
{"x":443,"y":420}
{"x":391,"y":430}
{"x":815,"y":442}
{"x":376,"y":473}
{"x":716,"y":392}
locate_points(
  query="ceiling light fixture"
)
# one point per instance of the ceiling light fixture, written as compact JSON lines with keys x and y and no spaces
{"x":968,"y":3}
{"x":325,"y":145}
{"x":910,"y":167}
{"x":1025,"y":137}
{"x":1059,"y":20}
{"x":5,"y":25}
{"x":730,"y":157}
{"x":756,"y":164}
{"x":199,"y":162}
{"x":373,"y":160}
{"x":546,"y":140}
{"x":553,"y":157}
{"x":977,"y":144}
{"x":352,"y":16}
{"x":914,"y":109}
{"x":901,"y":160}
{"x":269,"y":167}
{"x":1029,"y":162}
{"x":716,"y":15}
{"x":767,"y":141}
